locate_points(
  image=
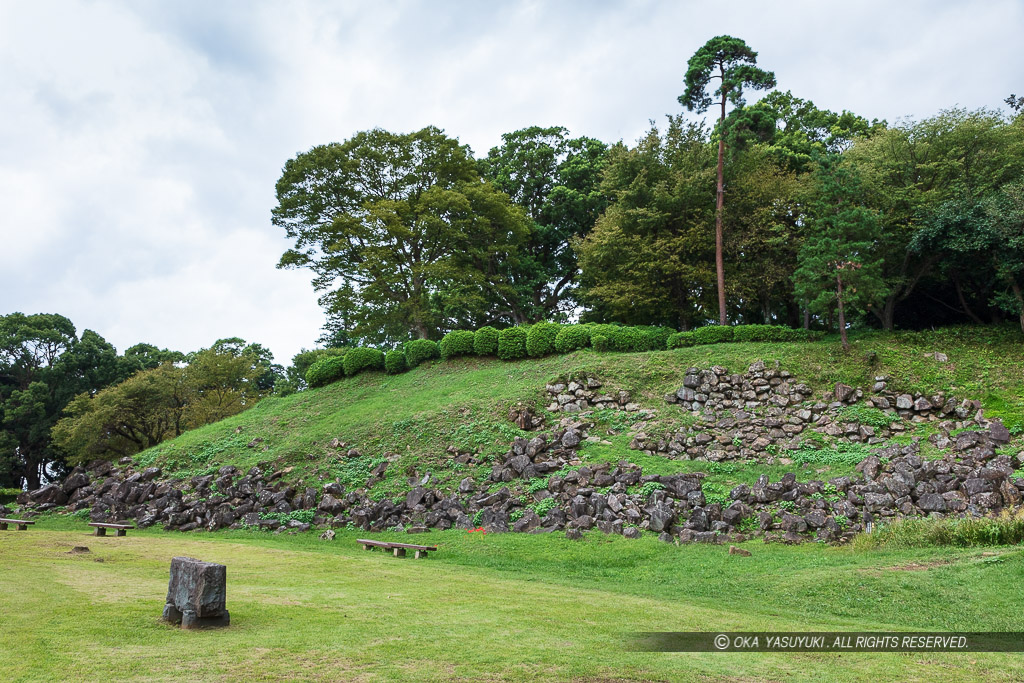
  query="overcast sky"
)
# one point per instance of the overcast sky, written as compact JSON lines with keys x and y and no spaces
{"x":140,"y":141}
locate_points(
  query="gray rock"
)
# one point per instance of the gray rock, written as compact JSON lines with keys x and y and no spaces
{"x":998,"y":432}
{"x":196,"y":594}
{"x":932,"y":502}
{"x":661,"y":517}
{"x":843,"y":392}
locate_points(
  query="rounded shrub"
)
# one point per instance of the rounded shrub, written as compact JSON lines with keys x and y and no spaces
{"x":572,"y":338}
{"x":485,"y":341}
{"x":680,"y":340}
{"x":420,"y":350}
{"x":627,"y":339}
{"x":540,"y":339}
{"x":801,"y":334}
{"x":760,"y":333}
{"x":655,"y":338}
{"x":603,"y":329}
{"x":456,"y":343}
{"x":394,"y":362}
{"x":363,"y":358}
{"x":512,"y":343}
{"x":601,"y":343}
{"x":326,"y":370}
{"x":712,"y":334}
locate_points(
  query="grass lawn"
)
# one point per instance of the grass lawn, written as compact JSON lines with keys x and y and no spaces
{"x":494,"y":607}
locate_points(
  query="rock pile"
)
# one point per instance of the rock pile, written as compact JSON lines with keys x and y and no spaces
{"x":894,"y":482}
{"x":541,"y":455}
{"x":576,"y":395}
{"x":764,"y":411}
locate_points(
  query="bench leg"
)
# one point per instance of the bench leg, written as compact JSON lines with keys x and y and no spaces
{"x":122,"y":532}
{"x":23,"y":527}
{"x":367,"y":547}
{"x":100,"y":531}
{"x":421,"y":553}
{"x":3,"y":526}
{"x":399,"y":552}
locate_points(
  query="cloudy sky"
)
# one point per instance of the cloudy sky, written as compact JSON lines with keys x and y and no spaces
{"x":141,"y":140}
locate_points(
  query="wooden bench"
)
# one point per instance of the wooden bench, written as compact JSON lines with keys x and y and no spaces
{"x":22,"y":524}
{"x":101,"y":528}
{"x":398,"y":548}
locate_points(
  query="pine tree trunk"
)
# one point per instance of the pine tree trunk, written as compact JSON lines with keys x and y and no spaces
{"x":842,"y":314}
{"x":719,"y":204}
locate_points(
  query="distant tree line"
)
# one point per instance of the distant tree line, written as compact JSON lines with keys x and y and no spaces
{"x":66,"y":399}
{"x":780,"y":213}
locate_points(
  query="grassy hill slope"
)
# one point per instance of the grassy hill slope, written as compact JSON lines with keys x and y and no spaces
{"x":413,"y":418}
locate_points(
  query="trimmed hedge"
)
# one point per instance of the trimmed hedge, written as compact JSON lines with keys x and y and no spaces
{"x":326,"y":370}
{"x":627,"y":339}
{"x":394,"y":362}
{"x":485,"y":341}
{"x":456,"y":343}
{"x":540,"y":339}
{"x":769,"y":333}
{"x":655,"y":338}
{"x":712,"y":334}
{"x":572,"y":338}
{"x":420,"y":350}
{"x":512,"y":343}
{"x":715,"y":334}
{"x":363,"y":358}
{"x":680,"y":340}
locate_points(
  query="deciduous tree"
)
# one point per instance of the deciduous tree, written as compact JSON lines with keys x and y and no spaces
{"x":556,"y":180}
{"x":401,"y":232}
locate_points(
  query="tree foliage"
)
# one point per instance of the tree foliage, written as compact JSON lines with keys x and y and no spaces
{"x":839,"y":268}
{"x":403,"y":236}
{"x":160,"y":403}
{"x":43,"y":365}
{"x":556,"y":180}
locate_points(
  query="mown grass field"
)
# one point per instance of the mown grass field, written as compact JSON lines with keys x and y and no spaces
{"x":485,"y":607}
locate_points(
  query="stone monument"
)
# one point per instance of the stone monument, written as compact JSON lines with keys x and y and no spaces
{"x":196,"y":594}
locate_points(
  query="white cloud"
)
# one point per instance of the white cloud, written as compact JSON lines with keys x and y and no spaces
{"x":142,"y":141}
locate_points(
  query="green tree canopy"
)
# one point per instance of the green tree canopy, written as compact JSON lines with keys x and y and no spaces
{"x":912,"y":168}
{"x":162,"y":402}
{"x":43,"y":364}
{"x":838,"y":266}
{"x":556,"y":180}
{"x":795,"y":130}
{"x":403,"y":236}
{"x":649,"y":258}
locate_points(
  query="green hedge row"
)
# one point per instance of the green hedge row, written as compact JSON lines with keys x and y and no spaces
{"x":717,"y":334}
{"x":538,"y":340}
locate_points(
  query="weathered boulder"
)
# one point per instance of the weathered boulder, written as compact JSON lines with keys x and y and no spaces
{"x":196,"y":594}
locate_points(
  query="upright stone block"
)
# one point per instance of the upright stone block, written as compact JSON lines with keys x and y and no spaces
{"x":197,"y":594}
